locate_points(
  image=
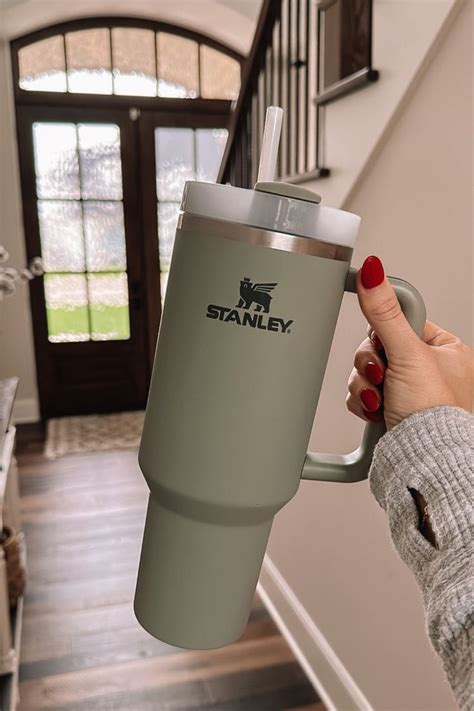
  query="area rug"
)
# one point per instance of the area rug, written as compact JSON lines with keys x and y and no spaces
{"x":93,"y":433}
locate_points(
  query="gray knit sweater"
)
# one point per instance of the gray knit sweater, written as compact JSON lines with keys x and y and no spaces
{"x":431,"y":451}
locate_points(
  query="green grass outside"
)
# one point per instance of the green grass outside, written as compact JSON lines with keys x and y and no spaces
{"x":106,"y":323}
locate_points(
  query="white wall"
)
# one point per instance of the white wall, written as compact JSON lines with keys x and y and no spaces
{"x":230,"y":21}
{"x":331,"y":544}
{"x":16,"y":338}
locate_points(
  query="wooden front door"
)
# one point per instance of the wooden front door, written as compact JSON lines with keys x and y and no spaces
{"x":82,"y":215}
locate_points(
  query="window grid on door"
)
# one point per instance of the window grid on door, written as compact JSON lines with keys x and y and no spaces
{"x":181,"y":154}
{"x":128,"y":61}
{"x":81,"y":224}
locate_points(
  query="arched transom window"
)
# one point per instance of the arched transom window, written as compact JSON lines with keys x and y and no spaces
{"x":119,"y":59}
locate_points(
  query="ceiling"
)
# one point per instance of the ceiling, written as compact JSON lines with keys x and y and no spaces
{"x":230,"y":21}
{"x":248,"y":8}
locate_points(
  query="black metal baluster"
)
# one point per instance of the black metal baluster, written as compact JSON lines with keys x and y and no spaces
{"x":297,"y":68}
{"x":258,"y":117}
{"x":265,"y":80}
{"x":253,"y":138}
{"x":232,"y":166}
{"x":318,"y":82}
{"x":289,"y":117}
{"x":245,"y":149}
{"x":275,"y":50}
{"x":262,"y":110}
{"x":307,"y":98}
{"x":281,"y":156}
{"x":271,"y":97}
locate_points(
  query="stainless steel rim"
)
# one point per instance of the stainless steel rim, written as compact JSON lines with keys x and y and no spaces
{"x":264,"y":238}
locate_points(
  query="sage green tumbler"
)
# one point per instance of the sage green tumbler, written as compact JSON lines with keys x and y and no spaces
{"x":254,"y":291}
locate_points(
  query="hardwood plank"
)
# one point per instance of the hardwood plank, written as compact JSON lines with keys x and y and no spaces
{"x":67,"y":607}
{"x":153,"y":673}
{"x":250,"y":682}
{"x":101,"y":648}
{"x":190,"y":697}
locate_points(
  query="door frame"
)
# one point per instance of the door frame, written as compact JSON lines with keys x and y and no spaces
{"x":134,"y":239}
{"x":137,"y":128}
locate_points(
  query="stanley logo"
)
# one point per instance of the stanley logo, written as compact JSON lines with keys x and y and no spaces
{"x":259,"y":297}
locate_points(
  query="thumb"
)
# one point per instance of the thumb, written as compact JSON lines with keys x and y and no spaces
{"x":380,"y":307}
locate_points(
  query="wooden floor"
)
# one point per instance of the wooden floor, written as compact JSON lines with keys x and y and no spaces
{"x":82,"y":648}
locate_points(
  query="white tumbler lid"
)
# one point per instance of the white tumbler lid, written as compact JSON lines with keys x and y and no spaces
{"x":268,"y":209}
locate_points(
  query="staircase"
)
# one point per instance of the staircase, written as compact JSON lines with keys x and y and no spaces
{"x":289,"y":66}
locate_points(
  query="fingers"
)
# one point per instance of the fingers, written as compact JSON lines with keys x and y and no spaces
{"x":369,"y":362}
{"x":380,"y":306}
{"x":355,"y":406}
{"x":364,"y":400}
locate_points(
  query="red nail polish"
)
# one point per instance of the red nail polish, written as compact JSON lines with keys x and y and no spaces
{"x":374,"y":373}
{"x":372,"y":273}
{"x":378,"y":345}
{"x":373,"y":416}
{"x":369,"y":400}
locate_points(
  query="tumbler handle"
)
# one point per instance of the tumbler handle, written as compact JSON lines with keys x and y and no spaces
{"x":355,"y":465}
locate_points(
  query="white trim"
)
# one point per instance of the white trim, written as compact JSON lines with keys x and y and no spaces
{"x":26,"y":410}
{"x":324,"y":669}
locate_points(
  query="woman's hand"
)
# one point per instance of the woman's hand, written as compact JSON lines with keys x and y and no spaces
{"x":415,"y":373}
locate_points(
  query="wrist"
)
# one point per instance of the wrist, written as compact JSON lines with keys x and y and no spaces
{"x":429,"y":452}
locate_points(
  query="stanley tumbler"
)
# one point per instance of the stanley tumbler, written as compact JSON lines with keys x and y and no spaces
{"x":256,"y":283}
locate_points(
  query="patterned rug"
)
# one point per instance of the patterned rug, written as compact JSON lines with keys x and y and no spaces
{"x":93,"y":433}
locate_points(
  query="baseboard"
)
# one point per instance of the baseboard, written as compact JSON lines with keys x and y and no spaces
{"x":335,"y":686}
{"x":25,"y":410}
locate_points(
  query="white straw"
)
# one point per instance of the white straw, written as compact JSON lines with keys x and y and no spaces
{"x":270,"y":143}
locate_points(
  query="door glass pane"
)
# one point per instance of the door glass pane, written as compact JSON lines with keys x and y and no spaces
{"x":174,"y":161}
{"x":168,"y":213}
{"x":56,"y":163}
{"x":62,"y":244}
{"x":220,"y":75}
{"x":181,"y":154}
{"x":133,"y":51}
{"x":101,"y":168}
{"x":104,"y":234}
{"x":66,"y":307}
{"x":210,"y":144}
{"x":42,"y":65}
{"x":129,"y":61}
{"x":88,"y":61}
{"x":82,"y":240}
{"x":108,"y":307}
{"x":178,"y":66}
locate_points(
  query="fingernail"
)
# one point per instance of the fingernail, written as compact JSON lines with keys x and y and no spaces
{"x":373,"y":416}
{"x":372,"y":273}
{"x":369,"y":399}
{"x":378,"y":345}
{"x":374,"y":373}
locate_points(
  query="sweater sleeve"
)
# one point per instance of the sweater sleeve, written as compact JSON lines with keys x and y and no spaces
{"x":431,"y":451}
